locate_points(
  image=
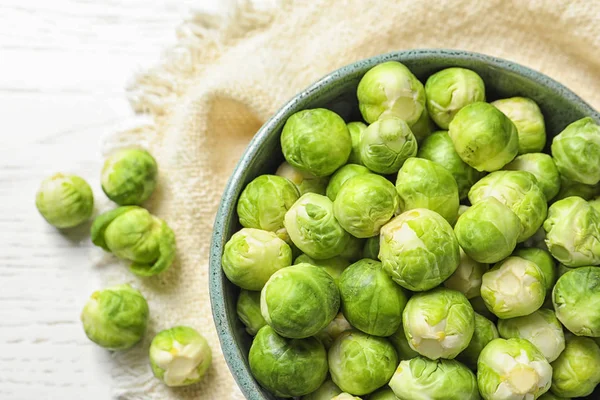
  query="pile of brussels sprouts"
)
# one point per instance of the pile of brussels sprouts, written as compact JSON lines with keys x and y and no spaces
{"x":116,"y":317}
{"x":389,"y":260}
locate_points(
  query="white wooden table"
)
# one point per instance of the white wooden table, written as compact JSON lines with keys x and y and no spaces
{"x":63,"y":68}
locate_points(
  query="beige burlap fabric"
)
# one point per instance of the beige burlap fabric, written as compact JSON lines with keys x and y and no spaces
{"x":227,"y":75}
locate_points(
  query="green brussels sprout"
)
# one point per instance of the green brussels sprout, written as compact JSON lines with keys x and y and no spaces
{"x":132,"y":233}
{"x":360,"y":363}
{"x":316,"y":141}
{"x":345,"y":396}
{"x":354,"y":249}
{"x":115,"y":318}
{"x":528,"y":118}
{"x":488,"y":231}
{"x":129,"y":176}
{"x":512,"y":369}
{"x":287,"y":367}
{"x":543,"y":260}
{"x":251,"y":256}
{"x":264,"y":202}
{"x":371,"y":249}
{"x":438,"y":147}
{"x":305,"y":181}
{"x":335,"y":328}
{"x":356,"y":129}
{"x":311,"y":225}
{"x":385,"y":393}
{"x":386,"y":144}
{"x":425,"y":184}
{"x":451,"y":89}
{"x":364,"y":204}
{"x":400,"y":343}
{"x":483,"y":137}
{"x":519,"y":191}
{"x":550,"y":396}
{"x":180,"y":356}
{"x":513,"y":287}
{"x":577,"y":369}
{"x":390,"y":90}
{"x":423,"y":379}
{"x":576,"y":151}
{"x":480,"y":308}
{"x":299,"y":301}
{"x":573,"y":232}
{"x":439,"y":323}
{"x":576,"y":299}
{"x":570,"y":188}
{"x":371,"y":301}
{"x":333,"y":266}
{"x":65,"y":201}
{"x":485,"y":332}
{"x":542,"y":167}
{"x":341,"y":176}
{"x":418,"y":249}
{"x":467,"y":277}
{"x":248,"y":311}
{"x":423,"y":127}
{"x":325,"y":392}
{"x":541,"y":328}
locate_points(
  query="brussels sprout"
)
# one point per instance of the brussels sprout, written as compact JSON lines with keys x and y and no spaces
{"x":439,"y":148}
{"x":333,"y":266}
{"x":542,"y":167}
{"x":425,"y":184}
{"x":390,"y":90}
{"x":385,"y":393}
{"x":386,"y":144}
{"x":360,"y":363}
{"x":311,"y":224}
{"x":418,"y":249}
{"x":576,"y":151}
{"x":577,"y":369}
{"x":519,"y":191}
{"x":439,"y":323}
{"x":345,"y":396}
{"x":485,"y":332}
{"x":462,"y":209}
{"x":65,"y":201}
{"x":514,"y":287}
{"x":573,"y":232}
{"x":451,"y":89}
{"x":355,"y":129}
{"x":325,"y":392}
{"x":483,"y":137}
{"x":570,"y":188}
{"x":287,"y":367}
{"x":115,"y":318}
{"x":467,"y":277}
{"x":305,"y":181}
{"x":480,"y":308}
{"x":576,"y":299}
{"x":364,"y":204}
{"x":129,"y":176}
{"x":543,"y":260}
{"x":538,"y":240}
{"x":371,"y":301}
{"x":512,"y":369}
{"x":264,"y":202}
{"x":550,"y":396}
{"x":423,"y":379}
{"x":251,"y":256}
{"x":541,"y":328}
{"x":353,"y":250}
{"x":335,"y":328}
{"x":488,"y":231}
{"x":299,"y":301}
{"x":371,"y":249}
{"x":423,"y":127}
{"x":341,"y":176}
{"x":133,"y":234}
{"x":248,"y":311}
{"x":180,"y":356}
{"x":400,"y":343}
{"x":528,"y":118}
{"x":595,"y":203}
{"x":316,"y":141}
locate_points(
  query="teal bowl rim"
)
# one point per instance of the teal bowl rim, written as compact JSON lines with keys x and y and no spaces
{"x":232,"y":352}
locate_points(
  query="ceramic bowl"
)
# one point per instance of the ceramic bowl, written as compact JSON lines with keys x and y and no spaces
{"x":337,"y":91}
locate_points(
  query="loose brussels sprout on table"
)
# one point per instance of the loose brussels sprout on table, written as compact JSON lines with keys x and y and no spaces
{"x":528,"y":118}
{"x":576,"y":299}
{"x":65,"y":201}
{"x":576,"y":151}
{"x":129,"y":176}
{"x":386,"y":144}
{"x":305,"y":181}
{"x":576,"y":371}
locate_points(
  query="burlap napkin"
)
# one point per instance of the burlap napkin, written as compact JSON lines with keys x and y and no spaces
{"x":228,"y":74}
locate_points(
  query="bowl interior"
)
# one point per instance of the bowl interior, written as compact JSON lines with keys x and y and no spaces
{"x":337,"y":91}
